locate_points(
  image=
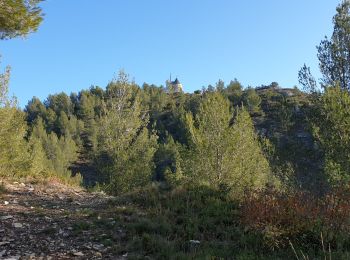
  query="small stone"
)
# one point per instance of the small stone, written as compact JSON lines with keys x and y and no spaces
{"x":78,"y":254}
{"x":98,"y":247}
{"x":13,"y":258}
{"x":195,"y":242}
{"x":4,"y":243}
{"x":17,"y":225}
{"x":22,"y":184}
{"x":2,"y":253}
{"x":6,"y":217}
{"x":6,"y":202}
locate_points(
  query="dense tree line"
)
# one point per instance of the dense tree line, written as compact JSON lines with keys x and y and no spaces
{"x":225,"y":136}
{"x":133,"y":135}
{"x":228,"y":137}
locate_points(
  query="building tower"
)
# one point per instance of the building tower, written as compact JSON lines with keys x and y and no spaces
{"x":173,"y":86}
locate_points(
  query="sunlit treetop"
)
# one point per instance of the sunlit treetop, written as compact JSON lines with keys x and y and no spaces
{"x":18,"y":18}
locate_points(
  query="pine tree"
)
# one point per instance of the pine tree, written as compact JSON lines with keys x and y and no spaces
{"x":63,"y":124}
{"x":333,"y":54}
{"x":331,"y":127}
{"x":222,"y":152}
{"x":40,"y":165}
{"x":19,"y":17}
{"x":59,"y":152}
{"x":252,"y":100}
{"x":125,"y":146}
{"x":248,"y":162}
{"x":234,"y":92}
{"x":167,"y":161}
{"x":14,"y":157}
{"x":34,"y":109}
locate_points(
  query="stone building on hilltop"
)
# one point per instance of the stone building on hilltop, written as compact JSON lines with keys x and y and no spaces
{"x":173,"y":86}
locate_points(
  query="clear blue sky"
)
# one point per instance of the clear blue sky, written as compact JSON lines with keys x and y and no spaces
{"x":85,"y":42}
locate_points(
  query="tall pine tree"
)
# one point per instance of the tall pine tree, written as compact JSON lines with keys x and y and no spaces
{"x":224,"y":150}
{"x":125,"y":146}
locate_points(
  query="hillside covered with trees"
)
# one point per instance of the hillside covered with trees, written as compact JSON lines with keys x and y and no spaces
{"x":225,"y":172}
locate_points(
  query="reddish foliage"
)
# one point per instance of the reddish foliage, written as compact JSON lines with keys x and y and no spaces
{"x":280,"y":217}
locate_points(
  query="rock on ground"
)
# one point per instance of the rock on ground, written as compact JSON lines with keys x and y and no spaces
{"x":52,"y":222}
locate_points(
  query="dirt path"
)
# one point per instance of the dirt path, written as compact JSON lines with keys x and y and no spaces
{"x":50,"y":222}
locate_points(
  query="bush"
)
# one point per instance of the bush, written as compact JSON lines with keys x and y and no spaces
{"x":299,"y":217}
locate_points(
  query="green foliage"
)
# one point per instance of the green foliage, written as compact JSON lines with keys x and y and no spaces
{"x":125,"y":146}
{"x":4,"y":81}
{"x":39,"y":161}
{"x":67,"y":178}
{"x":220,"y":86}
{"x":164,"y":224}
{"x":34,"y":109}
{"x":203,"y":223}
{"x":285,"y":115}
{"x":167,"y":161}
{"x":14,"y":157}
{"x":307,"y":80}
{"x":2,"y":189}
{"x":252,"y":100}
{"x":59,"y":103}
{"x":332,"y":130}
{"x":69,"y":127}
{"x":333,"y":54}
{"x":249,"y":163}
{"x":87,"y":108}
{"x":59,"y":152}
{"x":153,"y":98}
{"x":234,"y":92}
{"x":222,"y":153}
{"x":38,"y":154}
{"x":19,"y":17}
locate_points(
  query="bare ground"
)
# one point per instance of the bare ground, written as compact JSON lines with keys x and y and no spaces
{"x":53,"y":221}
